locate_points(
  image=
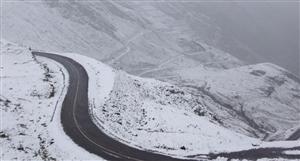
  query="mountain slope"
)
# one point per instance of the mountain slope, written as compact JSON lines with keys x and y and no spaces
{"x":153,"y":31}
{"x":263,"y":96}
{"x":131,"y":36}
{"x":158,"y":116}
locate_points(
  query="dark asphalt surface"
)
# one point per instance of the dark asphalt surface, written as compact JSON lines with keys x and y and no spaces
{"x":79,"y":126}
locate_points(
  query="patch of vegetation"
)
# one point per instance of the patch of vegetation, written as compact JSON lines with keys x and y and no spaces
{"x":52,"y":91}
{"x":6,"y":102}
{"x":268,"y":90}
{"x":277,"y":80}
{"x":3,"y":134}
{"x":183,"y":148}
{"x":43,"y":152}
{"x":258,"y":72}
{"x":174,"y":91}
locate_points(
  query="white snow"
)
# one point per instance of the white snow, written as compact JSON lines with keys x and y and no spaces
{"x":292,"y":152}
{"x":283,"y":144}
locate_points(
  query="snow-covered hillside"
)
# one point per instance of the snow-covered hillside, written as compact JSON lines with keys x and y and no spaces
{"x":32,"y":90}
{"x":263,"y":97}
{"x":160,"y":117}
{"x":138,"y":37}
{"x":130,"y":34}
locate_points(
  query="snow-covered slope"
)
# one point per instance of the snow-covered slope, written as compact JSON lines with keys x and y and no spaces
{"x":160,"y":117}
{"x":139,"y":37}
{"x":131,"y":34}
{"x":263,"y":96}
{"x":32,"y":90}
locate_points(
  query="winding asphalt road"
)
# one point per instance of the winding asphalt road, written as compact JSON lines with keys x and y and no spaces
{"x":79,"y":126}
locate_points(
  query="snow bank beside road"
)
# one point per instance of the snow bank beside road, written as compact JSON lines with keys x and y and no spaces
{"x":101,"y":78}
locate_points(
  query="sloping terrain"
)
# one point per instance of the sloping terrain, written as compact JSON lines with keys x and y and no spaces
{"x":134,"y":36}
{"x":265,"y":97}
{"x":143,"y":34}
{"x":158,"y":116}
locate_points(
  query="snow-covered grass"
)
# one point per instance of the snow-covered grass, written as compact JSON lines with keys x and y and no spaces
{"x":32,"y":92}
{"x":160,"y":117}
